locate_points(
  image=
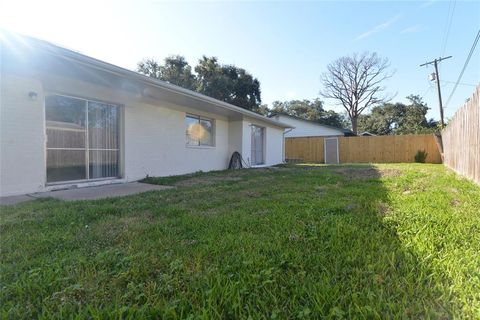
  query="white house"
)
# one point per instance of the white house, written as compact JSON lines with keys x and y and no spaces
{"x":68,"y":119}
{"x":308,"y":128}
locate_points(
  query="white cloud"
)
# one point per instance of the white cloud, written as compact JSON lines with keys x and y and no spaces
{"x":379,"y":27}
{"x":426,"y":4}
{"x":411,"y":29}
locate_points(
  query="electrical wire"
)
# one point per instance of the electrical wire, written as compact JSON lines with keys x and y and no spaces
{"x":426,"y":92}
{"x":460,"y":83}
{"x":464,"y":67}
{"x":448,"y":26}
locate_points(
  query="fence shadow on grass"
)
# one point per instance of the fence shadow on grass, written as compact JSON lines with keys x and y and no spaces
{"x":357,"y":265}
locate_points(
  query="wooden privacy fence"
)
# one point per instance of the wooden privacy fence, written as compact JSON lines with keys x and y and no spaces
{"x":377,"y":149}
{"x":461,"y":139}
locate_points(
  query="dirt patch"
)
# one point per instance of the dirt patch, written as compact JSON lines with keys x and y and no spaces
{"x":112,"y":229}
{"x":383,"y":208}
{"x":455,"y":202}
{"x":208,"y":180}
{"x":321,"y":190}
{"x":452,"y":190}
{"x":366,"y":173}
{"x":351,"y":207}
{"x":251,"y":193}
{"x":129,"y":221}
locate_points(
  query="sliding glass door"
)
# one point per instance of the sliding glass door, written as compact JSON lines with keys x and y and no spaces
{"x":258,"y":142}
{"x":82,"y":139}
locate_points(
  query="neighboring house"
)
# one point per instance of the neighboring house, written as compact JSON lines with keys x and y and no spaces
{"x":71,"y":120}
{"x":367,"y":134}
{"x":308,"y":128}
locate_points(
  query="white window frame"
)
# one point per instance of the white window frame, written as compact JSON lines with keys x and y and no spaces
{"x":264,"y":144}
{"x":120,"y":109}
{"x":200,"y":118}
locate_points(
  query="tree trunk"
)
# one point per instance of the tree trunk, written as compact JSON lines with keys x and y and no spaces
{"x":354,"y":124}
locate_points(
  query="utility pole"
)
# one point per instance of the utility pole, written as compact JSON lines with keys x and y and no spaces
{"x":437,"y":78}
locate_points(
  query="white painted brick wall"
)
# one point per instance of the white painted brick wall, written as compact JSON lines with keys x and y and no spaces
{"x":22,"y":136}
{"x":154,"y":135}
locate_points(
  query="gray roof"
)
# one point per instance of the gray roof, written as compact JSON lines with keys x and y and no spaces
{"x":345,"y":131}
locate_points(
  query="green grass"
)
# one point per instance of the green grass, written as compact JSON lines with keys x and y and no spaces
{"x":386,"y":241}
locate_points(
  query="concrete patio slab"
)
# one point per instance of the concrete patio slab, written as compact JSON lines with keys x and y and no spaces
{"x":88,"y":193}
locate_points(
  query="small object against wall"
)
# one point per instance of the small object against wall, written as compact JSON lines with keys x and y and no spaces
{"x":33,"y":95}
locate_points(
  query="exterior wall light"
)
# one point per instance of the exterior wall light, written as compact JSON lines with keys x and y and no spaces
{"x":33,"y":95}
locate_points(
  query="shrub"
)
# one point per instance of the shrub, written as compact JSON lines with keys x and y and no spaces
{"x":421,"y":156}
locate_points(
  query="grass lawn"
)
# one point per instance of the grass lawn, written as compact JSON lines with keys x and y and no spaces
{"x":386,"y":241}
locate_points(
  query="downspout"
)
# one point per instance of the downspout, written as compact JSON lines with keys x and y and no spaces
{"x":283,"y":144}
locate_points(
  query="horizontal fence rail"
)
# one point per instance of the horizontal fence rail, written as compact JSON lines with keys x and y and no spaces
{"x":376,"y":149}
{"x":461,"y":139}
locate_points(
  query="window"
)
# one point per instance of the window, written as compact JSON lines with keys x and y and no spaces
{"x":82,"y":139}
{"x":199,"y":131}
{"x":258,"y":141}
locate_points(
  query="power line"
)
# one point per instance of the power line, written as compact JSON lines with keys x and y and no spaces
{"x":461,"y":83}
{"x":426,"y":92}
{"x":448,"y":25}
{"x":464,"y":67}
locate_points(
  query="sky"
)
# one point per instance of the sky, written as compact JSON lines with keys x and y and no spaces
{"x":286,"y":45}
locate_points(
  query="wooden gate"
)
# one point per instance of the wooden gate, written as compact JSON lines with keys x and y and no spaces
{"x":331,"y":150}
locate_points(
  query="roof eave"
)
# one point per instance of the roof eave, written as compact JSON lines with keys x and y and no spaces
{"x":311,"y":121}
{"x":119,"y":71}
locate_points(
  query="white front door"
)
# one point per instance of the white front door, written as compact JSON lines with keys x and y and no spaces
{"x":258,"y":142}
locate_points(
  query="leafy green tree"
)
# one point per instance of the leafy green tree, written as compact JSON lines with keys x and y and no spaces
{"x":414,"y":119}
{"x":224,"y":82}
{"x":150,"y":67}
{"x":262,"y":109}
{"x":309,"y":110}
{"x":398,"y":118}
{"x":382,"y":120}
{"x":175,"y":70}
{"x":228,"y":83}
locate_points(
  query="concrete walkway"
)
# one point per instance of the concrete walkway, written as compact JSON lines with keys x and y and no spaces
{"x":88,"y":193}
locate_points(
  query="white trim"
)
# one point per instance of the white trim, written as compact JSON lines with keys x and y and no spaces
{"x":214,"y":131}
{"x":119,"y":108}
{"x":260,"y":166}
{"x":199,"y":147}
{"x":264,"y":144}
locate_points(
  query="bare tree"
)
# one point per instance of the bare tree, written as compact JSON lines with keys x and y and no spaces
{"x":356,"y":83}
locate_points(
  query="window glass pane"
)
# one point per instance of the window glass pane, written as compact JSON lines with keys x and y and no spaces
{"x":61,"y":137}
{"x":257,"y":145}
{"x":102,"y":126}
{"x":65,"y":121}
{"x":206,"y":132}
{"x":66,"y":165}
{"x":103,"y":164}
{"x":193,"y":130}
